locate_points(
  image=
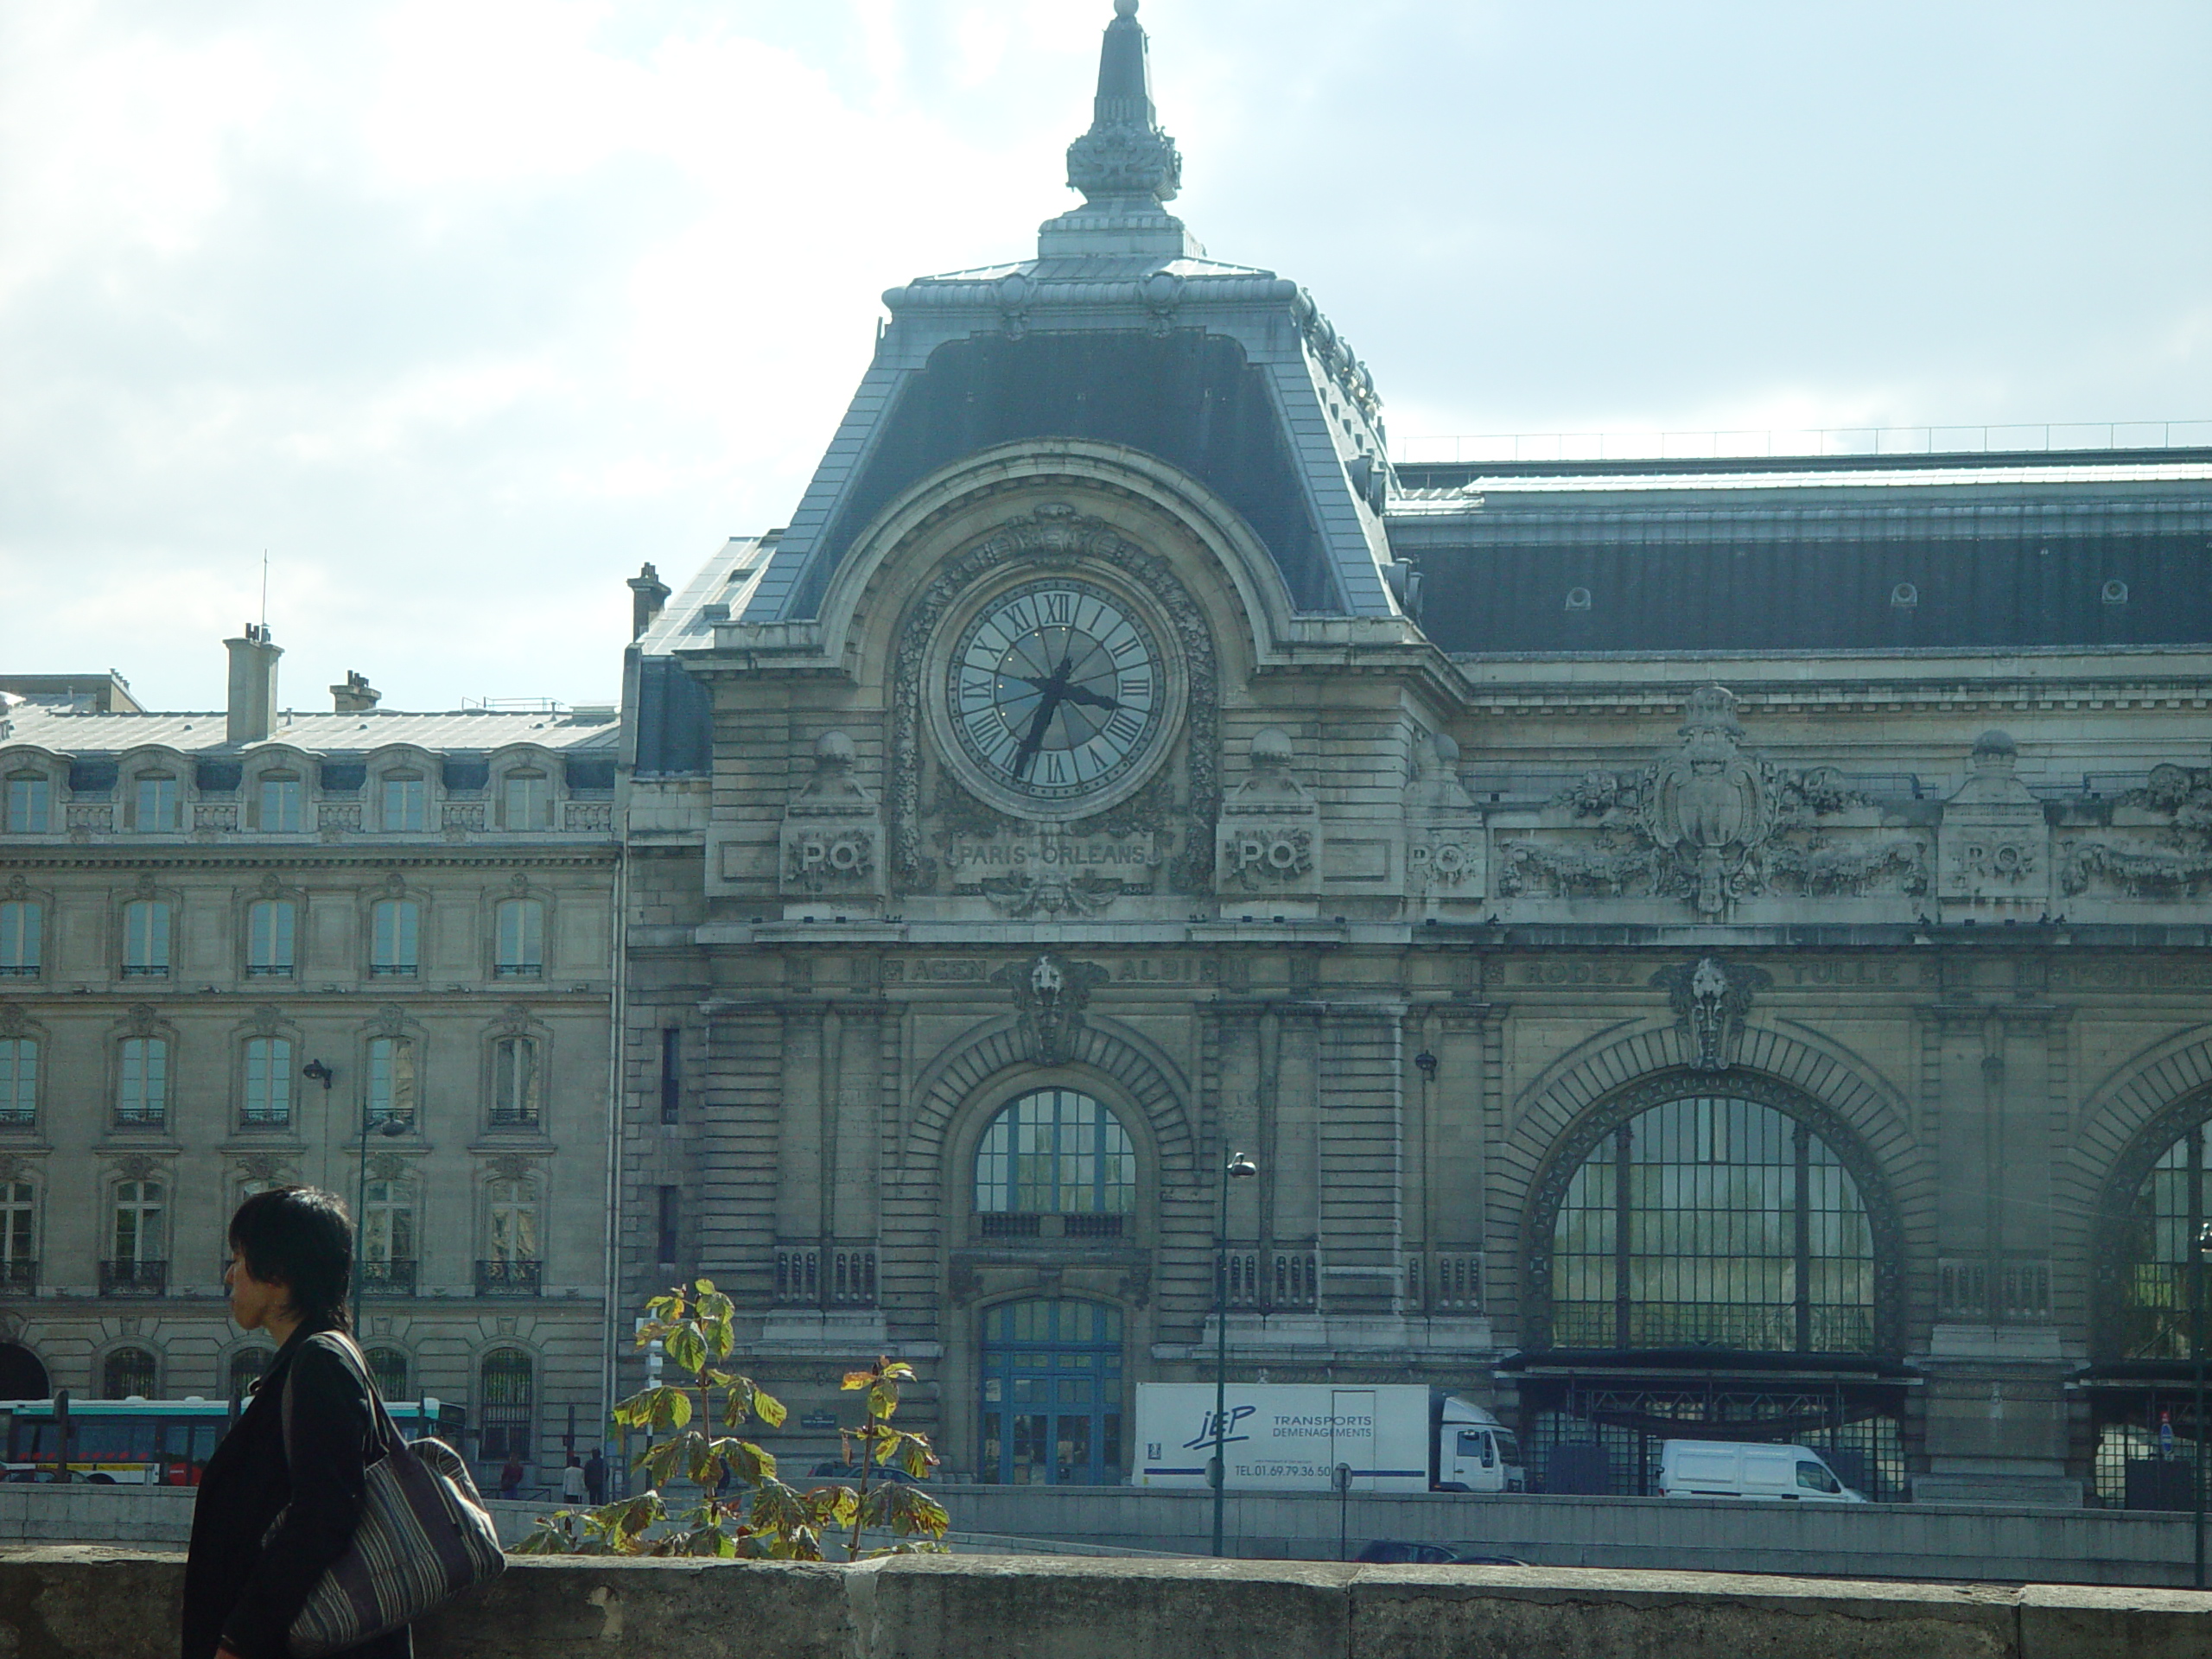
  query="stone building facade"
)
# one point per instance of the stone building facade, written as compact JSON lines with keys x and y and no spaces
{"x":368,"y":951}
{"x":1713,"y":948}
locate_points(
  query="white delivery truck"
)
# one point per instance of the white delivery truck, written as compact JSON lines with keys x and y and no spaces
{"x":1748,"y":1469}
{"x":1290,"y":1437}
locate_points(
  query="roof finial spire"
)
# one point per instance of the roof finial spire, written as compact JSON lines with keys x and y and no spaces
{"x":1125,"y":156}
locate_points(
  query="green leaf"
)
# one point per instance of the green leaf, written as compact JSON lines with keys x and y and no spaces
{"x":686,"y":1349}
{"x":769,"y":1409}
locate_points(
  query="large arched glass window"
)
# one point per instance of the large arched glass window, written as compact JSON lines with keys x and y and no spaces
{"x":2152,"y":1320}
{"x":1056,"y":1152}
{"x":1714,"y":1221}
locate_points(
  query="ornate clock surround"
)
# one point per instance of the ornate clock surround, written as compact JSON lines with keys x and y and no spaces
{"x":1054,"y":539}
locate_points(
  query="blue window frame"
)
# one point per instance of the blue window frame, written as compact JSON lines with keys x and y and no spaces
{"x":1052,"y":1405}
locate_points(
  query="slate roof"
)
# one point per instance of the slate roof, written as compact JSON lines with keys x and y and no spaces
{"x":469,"y":730}
{"x":1961,"y":552}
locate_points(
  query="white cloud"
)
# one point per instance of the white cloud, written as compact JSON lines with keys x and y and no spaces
{"x":465,"y":307}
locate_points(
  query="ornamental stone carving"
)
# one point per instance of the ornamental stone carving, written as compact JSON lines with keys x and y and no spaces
{"x":1711,"y":824}
{"x":2169,"y":855}
{"x":833,"y":829}
{"x":1447,"y":858}
{"x":1174,"y":817}
{"x":1710,"y":998}
{"x":1270,"y":831}
{"x":1993,"y":834}
{"x":1050,"y":994}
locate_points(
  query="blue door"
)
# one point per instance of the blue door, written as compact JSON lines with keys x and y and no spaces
{"x":1052,"y":1393}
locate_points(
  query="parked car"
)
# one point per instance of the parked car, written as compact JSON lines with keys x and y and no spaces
{"x":1399,"y":1552}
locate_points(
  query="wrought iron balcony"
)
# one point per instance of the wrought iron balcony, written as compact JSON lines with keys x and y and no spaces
{"x":389,"y":1277}
{"x":139,"y":1278}
{"x":20,"y":1275}
{"x":514,"y":1117}
{"x":1023,"y":1224}
{"x":514,"y":1277}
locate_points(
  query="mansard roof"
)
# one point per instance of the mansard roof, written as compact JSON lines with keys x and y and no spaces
{"x":1947,"y":552}
{"x":464,"y":731}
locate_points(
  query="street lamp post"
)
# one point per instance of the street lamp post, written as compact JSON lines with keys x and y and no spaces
{"x":317,"y":1071}
{"x":2202,"y":1243}
{"x":1237,"y":1168}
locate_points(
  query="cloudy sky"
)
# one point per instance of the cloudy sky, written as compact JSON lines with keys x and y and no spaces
{"x":460,"y":309}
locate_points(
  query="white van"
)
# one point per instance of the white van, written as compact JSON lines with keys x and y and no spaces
{"x":1742,"y":1469}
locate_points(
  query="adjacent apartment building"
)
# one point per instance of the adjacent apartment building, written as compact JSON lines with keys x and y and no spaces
{"x":369,"y":950}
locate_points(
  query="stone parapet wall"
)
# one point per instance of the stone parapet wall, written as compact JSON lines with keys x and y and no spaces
{"x":58,"y":1604}
{"x":1905,"y":1541}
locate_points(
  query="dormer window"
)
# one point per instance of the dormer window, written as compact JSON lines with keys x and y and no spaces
{"x":282,"y":804}
{"x":30,"y":803}
{"x":406,"y":802}
{"x":527,"y":801}
{"x":155,"y":803}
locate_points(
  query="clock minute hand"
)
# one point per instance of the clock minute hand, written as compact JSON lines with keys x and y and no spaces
{"x":1090,"y":699}
{"x":1047,"y":706}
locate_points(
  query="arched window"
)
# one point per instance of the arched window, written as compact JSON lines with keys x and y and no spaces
{"x":23,"y":1374}
{"x":2153,"y":1319}
{"x":18,"y":1239}
{"x":387,"y":1261}
{"x":155,"y":804}
{"x":128,"y":1372}
{"x":391,"y":1079}
{"x":1056,"y":1152}
{"x":1718,"y":1222}
{"x":140,"y":1262}
{"x":18,"y":1079}
{"x":142,"y":1091}
{"x":388,"y":1371}
{"x":146,"y":939}
{"x":30,"y":803}
{"x":394,"y":938}
{"x":1051,"y":1407}
{"x":506,"y":1407}
{"x":515,"y":1082}
{"x":406,"y":802}
{"x":281,"y":804}
{"x":519,"y":951}
{"x":527,"y":801}
{"x":246,"y":1367}
{"x":268,"y":1104}
{"x":270,"y":925}
{"x":22,"y":937}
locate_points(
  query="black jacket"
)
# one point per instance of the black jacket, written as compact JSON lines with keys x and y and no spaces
{"x":237,"y":1593}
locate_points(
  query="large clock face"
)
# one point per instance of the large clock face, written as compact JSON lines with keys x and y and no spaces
{"x":1057,"y":691}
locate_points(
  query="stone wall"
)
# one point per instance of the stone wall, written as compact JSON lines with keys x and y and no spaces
{"x":1906,"y":1542}
{"x":57,"y":1604}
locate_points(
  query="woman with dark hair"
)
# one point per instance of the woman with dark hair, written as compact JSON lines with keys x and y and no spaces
{"x":291,"y":1260}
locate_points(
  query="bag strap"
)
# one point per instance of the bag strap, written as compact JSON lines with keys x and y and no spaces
{"x":384,"y":1433}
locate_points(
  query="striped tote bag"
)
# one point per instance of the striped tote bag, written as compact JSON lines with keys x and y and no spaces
{"x":425,"y":1537}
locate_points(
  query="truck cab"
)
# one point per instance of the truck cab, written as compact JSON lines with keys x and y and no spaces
{"x":1475,"y":1452}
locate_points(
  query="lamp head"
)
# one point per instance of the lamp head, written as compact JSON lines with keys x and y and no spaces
{"x":1241,"y":1166}
{"x":2204,"y":1239}
{"x":391,"y":1126}
{"x":316,"y":1072}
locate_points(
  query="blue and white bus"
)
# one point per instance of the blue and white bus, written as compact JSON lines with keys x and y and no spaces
{"x":156,"y":1442}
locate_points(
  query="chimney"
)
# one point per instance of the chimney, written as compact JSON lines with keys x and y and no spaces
{"x":648,"y":592}
{"x":356,"y":695}
{"x":252,"y":705}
